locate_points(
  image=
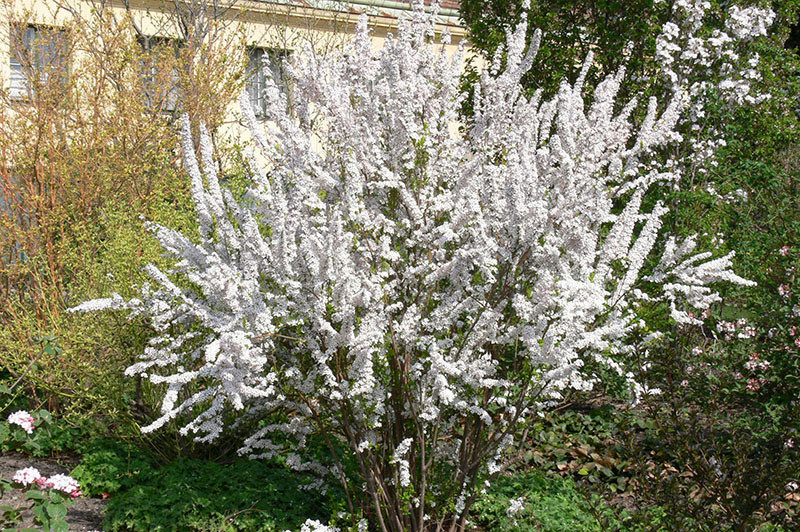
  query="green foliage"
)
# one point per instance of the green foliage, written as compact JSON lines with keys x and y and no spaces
{"x":604,"y":27}
{"x":572,"y":29}
{"x":49,"y":510}
{"x":189,"y":495}
{"x":552,"y":504}
{"x":109,"y":466}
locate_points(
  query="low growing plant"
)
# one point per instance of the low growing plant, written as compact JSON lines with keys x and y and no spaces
{"x":199,"y":495}
{"x":46,"y":499}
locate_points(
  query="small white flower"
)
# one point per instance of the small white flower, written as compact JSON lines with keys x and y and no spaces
{"x":23,"y":419}
{"x":27,"y":476}
{"x":515,"y":506}
{"x":64,"y":483}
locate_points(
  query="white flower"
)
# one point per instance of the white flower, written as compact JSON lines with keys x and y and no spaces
{"x":64,"y":483}
{"x":749,"y":22}
{"x":22,"y":419}
{"x":27,"y":476}
{"x":515,"y":506}
{"x":312,"y":525}
{"x":379,"y":253}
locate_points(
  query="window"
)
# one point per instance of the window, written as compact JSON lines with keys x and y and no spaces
{"x":262,"y":59}
{"x":37,"y":54}
{"x":160,"y":72}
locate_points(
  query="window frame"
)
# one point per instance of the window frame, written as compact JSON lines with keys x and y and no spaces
{"x":150,"y":45}
{"x":34,"y":67}
{"x":256,"y":76}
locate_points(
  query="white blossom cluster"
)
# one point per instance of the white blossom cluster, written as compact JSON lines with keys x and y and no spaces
{"x":515,"y":506}
{"x":703,"y":62}
{"x":27,"y":476}
{"x":683,"y":51}
{"x":22,"y":419}
{"x":414,"y":291}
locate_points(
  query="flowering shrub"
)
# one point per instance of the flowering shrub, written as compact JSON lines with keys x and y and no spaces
{"x":414,"y":293}
{"x":727,"y":422}
{"x":745,"y":189}
{"x":46,"y":498}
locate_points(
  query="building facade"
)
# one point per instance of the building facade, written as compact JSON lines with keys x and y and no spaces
{"x":259,"y":38}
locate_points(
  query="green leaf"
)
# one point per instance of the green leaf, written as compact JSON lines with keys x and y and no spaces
{"x":35,"y":494}
{"x":41,"y":514}
{"x":56,"y":511}
{"x":583,"y":471}
{"x":45,"y":416}
{"x":59,"y":526}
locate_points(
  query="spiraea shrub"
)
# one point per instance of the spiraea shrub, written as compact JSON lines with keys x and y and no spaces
{"x":410,"y":295}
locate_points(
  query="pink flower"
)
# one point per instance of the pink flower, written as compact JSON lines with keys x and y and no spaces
{"x":753,"y":385}
{"x":797,"y":341}
{"x":747,"y":332}
{"x":27,"y":476}
{"x":23,"y":419}
{"x":793,"y":330}
{"x":784,"y":250}
{"x":755,"y":363}
{"x":784,"y":290}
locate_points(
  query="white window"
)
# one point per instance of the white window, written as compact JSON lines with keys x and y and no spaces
{"x":161,"y":88}
{"x":37,"y":54}
{"x":262,"y":59}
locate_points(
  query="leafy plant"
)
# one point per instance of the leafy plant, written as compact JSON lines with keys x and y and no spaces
{"x":110,"y":466}
{"x":196,"y":495}
{"x":45,"y":498}
{"x":536,"y":501}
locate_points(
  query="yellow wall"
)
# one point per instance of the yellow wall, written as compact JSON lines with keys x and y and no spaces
{"x":250,"y":23}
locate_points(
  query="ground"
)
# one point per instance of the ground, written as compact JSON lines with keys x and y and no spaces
{"x":83,"y":516}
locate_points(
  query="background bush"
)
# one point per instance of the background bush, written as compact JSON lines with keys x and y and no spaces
{"x":715,"y":448}
{"x":85,"y":159}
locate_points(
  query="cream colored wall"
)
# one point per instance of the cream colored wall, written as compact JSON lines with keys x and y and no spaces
{"x":252,"y":23}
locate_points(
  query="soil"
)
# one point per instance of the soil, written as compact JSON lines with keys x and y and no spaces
{"x":83,"y":516}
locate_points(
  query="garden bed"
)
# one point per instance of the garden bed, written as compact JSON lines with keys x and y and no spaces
{"x":85,"y":515}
